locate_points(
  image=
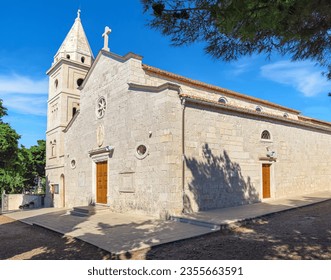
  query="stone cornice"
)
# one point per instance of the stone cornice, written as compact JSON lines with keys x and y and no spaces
{"x":104,"y":150}
{"x":66,"y":61}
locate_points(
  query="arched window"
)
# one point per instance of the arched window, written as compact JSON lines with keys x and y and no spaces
{"x":258,"y":109}
{"x":265,"y":135}
{"x":74,"y":111}
{"x":53,"y":148}
{"x":222,"y":100}
{"x":80,"y":82}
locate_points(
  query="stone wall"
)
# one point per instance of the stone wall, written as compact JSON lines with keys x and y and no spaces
{"x":148,"y":185}
{"x":225,"y":153}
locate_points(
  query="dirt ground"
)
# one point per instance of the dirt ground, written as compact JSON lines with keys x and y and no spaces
{"x":303,"y":233}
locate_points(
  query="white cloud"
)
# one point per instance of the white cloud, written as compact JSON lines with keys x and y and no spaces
{"x":20,"y":84}
{"x":23,"y":94}
{"x":240,"y":68}
{"x":243,"y":65}
{"x":303,"y":76}
{"x":26,"y":104}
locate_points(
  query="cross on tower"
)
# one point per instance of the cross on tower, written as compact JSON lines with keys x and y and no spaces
{"x":105,"y":37}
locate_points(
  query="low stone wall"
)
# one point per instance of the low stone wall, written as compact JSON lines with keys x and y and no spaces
{"x":14,"y":201}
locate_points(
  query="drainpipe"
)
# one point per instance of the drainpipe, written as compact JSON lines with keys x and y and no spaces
{"x":183,"y":150}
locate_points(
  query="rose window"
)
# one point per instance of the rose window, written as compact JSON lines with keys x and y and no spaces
{"x":101,"y":107}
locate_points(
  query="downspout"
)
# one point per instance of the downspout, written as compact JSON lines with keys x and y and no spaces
{"x":183,"y":152}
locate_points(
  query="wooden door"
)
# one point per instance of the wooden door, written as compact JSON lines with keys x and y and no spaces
{"x":102,"y":182}
{"x":266,"y":180}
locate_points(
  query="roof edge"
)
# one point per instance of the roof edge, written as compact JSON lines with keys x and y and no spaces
{"x":200,"y":84}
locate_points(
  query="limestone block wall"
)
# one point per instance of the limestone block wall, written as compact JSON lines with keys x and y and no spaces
{"x":148,"y":185}
{"x":14,"y":201}
{"x":154,"y":187}
{"x":225,"y":152}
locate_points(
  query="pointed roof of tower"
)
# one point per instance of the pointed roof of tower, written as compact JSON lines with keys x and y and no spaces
{"x":75,"y":45}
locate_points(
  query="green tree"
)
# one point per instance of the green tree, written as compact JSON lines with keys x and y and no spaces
{"x":10,"y":178}
{"x":3,"y":110}
{"x":19,"y":167}
{"x":32,"y":163}
{"x":234,"y":28}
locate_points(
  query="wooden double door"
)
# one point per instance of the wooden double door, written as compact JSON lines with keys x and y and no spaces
{"x":102,"y":180}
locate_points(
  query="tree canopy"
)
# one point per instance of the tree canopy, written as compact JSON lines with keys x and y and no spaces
{"x":19,"y":166}
{"x":3,"y":110}
{"x":8,"y":141}
{"x":234,"y":28}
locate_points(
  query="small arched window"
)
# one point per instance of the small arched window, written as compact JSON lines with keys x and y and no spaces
{"x":74,"y":111}
{"x":258,"y":109}
{"x":222,"y":100}
{"x":82,"y":59}
{"x":265,"y":135}
{"x":80,"y":82}
{"x":53,"y":148}
{"x":68,"y":56}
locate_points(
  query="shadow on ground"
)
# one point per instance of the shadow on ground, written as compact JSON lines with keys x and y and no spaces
{"x":303,"y":233}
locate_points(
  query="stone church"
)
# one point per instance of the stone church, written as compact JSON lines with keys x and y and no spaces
{"x":139,"y":139}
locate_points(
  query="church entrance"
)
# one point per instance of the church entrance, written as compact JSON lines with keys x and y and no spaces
{"x":101,"y":182}
{"x":266,"y":180}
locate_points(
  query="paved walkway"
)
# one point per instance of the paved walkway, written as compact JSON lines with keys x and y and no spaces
{"x":119,"y":233}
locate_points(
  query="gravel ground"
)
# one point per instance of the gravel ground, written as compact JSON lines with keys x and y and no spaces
{"x":303,"y":233}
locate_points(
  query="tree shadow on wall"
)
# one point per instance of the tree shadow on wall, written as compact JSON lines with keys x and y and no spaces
{"x":217,"y":183}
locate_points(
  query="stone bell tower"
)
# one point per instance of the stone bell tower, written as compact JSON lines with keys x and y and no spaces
{"x":69,"y":68}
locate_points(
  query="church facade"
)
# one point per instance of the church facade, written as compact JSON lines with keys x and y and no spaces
{"x":140,"y":139}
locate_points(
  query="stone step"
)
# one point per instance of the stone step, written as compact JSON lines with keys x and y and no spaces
{"x":90,"y":210}
{"x":200,"y":223}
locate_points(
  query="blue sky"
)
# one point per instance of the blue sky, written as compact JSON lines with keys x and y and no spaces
{"x":32,"y":31}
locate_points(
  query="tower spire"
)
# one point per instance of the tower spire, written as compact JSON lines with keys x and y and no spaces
{"x":75,"y":46}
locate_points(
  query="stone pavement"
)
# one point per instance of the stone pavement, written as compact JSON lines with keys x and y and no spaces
{"x":120,"y":233}
{"x":225,"y":216}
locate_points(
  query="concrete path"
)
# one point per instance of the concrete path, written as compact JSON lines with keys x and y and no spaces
{"x":226,"y":216}
{"x":120,"y":233}
{"x":113,"y":232}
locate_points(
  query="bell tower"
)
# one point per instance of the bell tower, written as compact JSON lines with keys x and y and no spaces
{"x":69,"y":68}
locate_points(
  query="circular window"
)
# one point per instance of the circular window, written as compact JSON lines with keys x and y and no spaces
{"x":73,"y":163}
{"x":141,"y":151}
{"x":101,"y":107}
{"x":80,"y":82}
{"x":68,"y":56}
